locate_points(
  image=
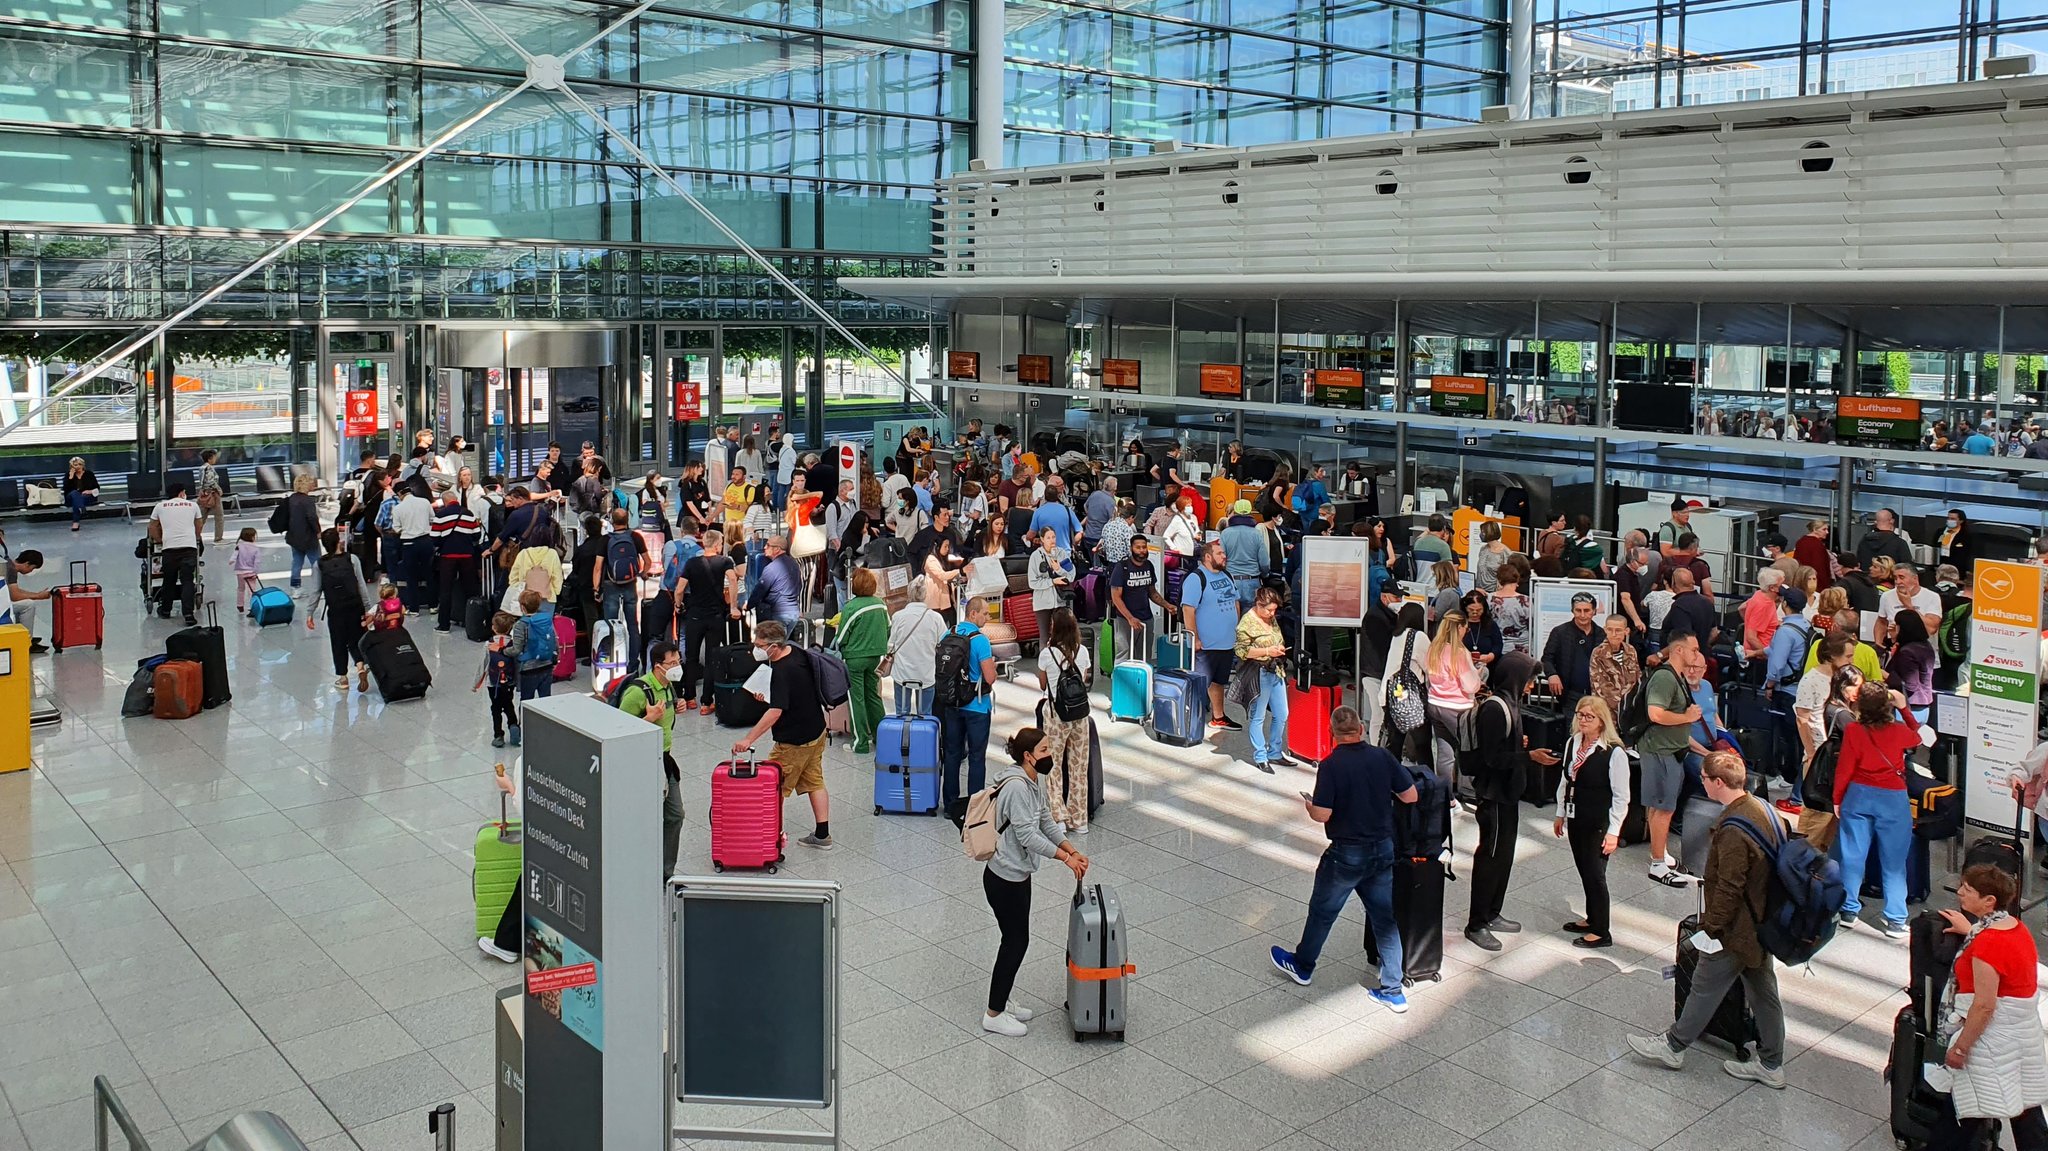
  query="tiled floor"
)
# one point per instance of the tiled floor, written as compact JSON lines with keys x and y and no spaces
{"x":268,"y":906}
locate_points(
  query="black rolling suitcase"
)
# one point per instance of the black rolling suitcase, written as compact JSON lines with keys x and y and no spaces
{"x":657,"y":620}
{"x":1546,"y":726}
{"x":729,"y":668}
{"x":207,"y":646}
{"x":1921,"y":1116}
{"x":476,"y":618}
{"x":396,"y":664}
{"x":1422,"y":834}
{"x":1733,"y":1025}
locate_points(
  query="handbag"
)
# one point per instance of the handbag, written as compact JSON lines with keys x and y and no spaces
{"x":1406,"y":694}
{"x":806,"y":541}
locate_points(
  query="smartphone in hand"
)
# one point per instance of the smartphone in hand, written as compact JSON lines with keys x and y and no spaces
{"x":1306,"y":797}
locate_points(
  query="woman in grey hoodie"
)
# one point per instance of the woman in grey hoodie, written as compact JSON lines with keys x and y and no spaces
{"x":1026,"y":834}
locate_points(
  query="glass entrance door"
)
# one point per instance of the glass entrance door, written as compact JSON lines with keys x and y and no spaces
{"x":359,"y":373}
{"x":689,"y":400}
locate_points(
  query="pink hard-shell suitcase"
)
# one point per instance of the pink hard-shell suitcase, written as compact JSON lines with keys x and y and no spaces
{"x":565,"y":642}
{"x":746,"y":814}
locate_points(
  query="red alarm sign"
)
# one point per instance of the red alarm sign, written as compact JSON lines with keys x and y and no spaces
{"x":689,"y":400}
{"x":361,"y":416}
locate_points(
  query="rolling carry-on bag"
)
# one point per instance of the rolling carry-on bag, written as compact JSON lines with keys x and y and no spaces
{"x":1130,"y":685}
{"x":1733,"y":1025}
{"x":396,"y":664}
{"x":657,"y":620}
{"x":494,"y":879}
{"x":907,"y":762}
{"x":885,"y":552}
{"x":476,"y":618}
{"x":1180,"y":708}
{"x":566,"y":638}
{"x":270,"y":605}
{"x":180,"y":689}
{"x":205,"y":645}
{"x":1422,"y":838}
{"x":732,"y":704}
{"x":1097,"y":963}
{"x":1091,"y":597}
{"x":746,"y":814}
{"x":78,"y":611}
{"x":1174,"y":651}
{"x":610,"y":655}
{"x":1921,"y":1116}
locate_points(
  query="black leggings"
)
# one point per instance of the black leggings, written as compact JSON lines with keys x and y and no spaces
{"x":506,"y":938}
{"x":2029,"y":1133}
{"x":700,"y":638}
{"x":1011,"y":901}
{"x":344,"y":631}
{"x":1586,"y":839}
{"x":1493,"y":861}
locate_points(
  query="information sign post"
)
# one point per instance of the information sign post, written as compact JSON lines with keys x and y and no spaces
{"x":2005,"y":688}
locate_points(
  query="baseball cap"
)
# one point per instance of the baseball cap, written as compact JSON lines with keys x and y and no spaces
{"x":1241,"y":508}
{"x":1793,"y":599}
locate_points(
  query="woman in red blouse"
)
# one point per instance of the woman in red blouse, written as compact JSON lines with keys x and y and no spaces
{"x":1812,"y":550}
{"x":1871,"y":801}
{"x":1997,"y":1052}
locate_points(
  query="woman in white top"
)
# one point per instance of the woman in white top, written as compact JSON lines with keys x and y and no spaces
{"x":1066,"y":780}
{"x":1049,"y":571}
{"x":1454,"y":683}
{"x":759,"y":522}
{"x":1182,"y":532}
{"x":1657,"y":606}
{"x":906,"y":519}
{"x":1592,"y":802}
{"x":914,"y":635}
{"x":750,"y":458}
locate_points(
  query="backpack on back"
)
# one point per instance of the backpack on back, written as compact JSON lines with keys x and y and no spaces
{"x":501,"y":667}
{"x":674,"y":556}
{"x":280,"y":518}
{"x":1070,"y":693}
{"x":1953,"y":641}
{"x":1802,"y":896}
{"x":622,"y":559}
{"x":979,"y":831}
{"x":953,"y":680}
{"x":1635,"y":714}
{"x":541,"y":644}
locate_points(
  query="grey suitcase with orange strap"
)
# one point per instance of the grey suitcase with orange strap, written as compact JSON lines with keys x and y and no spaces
{"x":1098,"y":967}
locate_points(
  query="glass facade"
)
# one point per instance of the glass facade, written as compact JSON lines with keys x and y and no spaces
{"x":1085,"y":81}
{"x":1597,"y":56}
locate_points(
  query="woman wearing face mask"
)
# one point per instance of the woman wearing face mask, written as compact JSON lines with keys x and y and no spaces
{"x":906,"y":519}
{"x":1500,"y":764}
{"x":652,"y":697}
{"x":1592,"y":801}
{"x":1958,"y":545}
{"x":1027,"y":835}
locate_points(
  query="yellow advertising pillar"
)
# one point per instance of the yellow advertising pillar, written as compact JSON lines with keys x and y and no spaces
{"x":14,"y":694}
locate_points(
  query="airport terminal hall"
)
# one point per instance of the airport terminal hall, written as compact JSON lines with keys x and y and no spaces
{"x":1023,"y":575}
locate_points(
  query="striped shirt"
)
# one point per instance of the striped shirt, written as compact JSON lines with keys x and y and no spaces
{"x":456,"y":532}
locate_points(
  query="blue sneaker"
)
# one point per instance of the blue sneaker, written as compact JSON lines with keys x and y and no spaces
{"x":1393,"y":1001}
{"x":515,"y":735}
{"x":1283,"y":960}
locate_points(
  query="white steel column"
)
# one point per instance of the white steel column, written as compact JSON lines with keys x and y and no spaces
{"x":988,"y":81}
{"x":1521,"y":56}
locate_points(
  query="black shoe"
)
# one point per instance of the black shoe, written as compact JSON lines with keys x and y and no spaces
{"x":1229,"y":724}
{"x":1282,"y":759}
{"x":1482,"y":939}
{"x":191,"y":621}
{"x":1591,"y":941}
{"x":1504,"y":925}
{"x":163,"y":615}
{"x":1262,"y":765}
{"x":38,"y":647}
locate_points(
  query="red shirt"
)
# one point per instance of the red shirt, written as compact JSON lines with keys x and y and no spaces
{"x":1760,"y":615}
{"x":2011,"y":953}
{"x":1811,"y":551}
{"x":1876,"y":757}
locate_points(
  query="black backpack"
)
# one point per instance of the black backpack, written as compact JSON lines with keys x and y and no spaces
{"x":622,"y":559}
{"x":338,"y":585}
{"x":953,"y":683}
{"x":1635,"y":713}
{"x":1070,"y":693}
{"x":280,"y":518}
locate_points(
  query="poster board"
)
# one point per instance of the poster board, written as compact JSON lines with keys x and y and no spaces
{"x":963,"y":366}
{"x":2005,"y":687}
{"x":1221,"y":381}
{"x":1550,"y":604}
{"x":1334,"y":574}
{"x":1034,"y":369}
{"x":1120,"y":375}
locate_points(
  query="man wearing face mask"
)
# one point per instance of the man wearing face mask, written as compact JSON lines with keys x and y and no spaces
{"x":652,"y":697}
{"x":797,"y":717}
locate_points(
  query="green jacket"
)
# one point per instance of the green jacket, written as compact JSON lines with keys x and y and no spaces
{"x":864,"y":638}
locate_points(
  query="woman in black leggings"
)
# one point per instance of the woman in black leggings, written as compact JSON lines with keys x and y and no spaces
{"x":340,"y":582}
{"x":1028,"y":833}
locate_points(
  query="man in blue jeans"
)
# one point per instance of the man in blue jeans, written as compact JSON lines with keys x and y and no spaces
{"x":1356,"y":789}
{"x":964,"y":728}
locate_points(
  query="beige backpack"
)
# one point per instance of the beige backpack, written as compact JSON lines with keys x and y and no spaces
{"x":979,"y":831}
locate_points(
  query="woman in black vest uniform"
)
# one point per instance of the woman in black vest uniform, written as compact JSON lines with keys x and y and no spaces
{"x":1592,"y":802}
{"x":1499,"y":769}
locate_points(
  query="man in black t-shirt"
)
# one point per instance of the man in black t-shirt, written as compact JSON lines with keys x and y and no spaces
{"x":927,"y":537}
{"x":1691,"y":611}
{"x":708,"y":615}
{"x":1356,"y":789}
{"x":796,"y":714}
{"x":1133,"y":589}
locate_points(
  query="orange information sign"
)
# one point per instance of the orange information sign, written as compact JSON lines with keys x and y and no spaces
{"x":1460,"y":395}
{"x":560,"y":978}
{"x":1225,"y":381}
{"x":1034,"y":369}
{"x":360,"y":414}
{"x":963,"y":365}
{"x":1337,"y":387}
{"x":1120,"y":375}
{"x":1885,"y":418}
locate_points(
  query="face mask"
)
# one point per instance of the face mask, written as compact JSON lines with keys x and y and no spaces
{"x":674,"y":674}
{"x":760,"y":654}
{"x":1954,"y":524}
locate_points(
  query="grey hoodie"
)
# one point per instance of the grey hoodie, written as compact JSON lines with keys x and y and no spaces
{"x":1029,"y":832}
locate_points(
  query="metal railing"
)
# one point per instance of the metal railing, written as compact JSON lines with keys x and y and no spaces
{"x":249,"y":1131}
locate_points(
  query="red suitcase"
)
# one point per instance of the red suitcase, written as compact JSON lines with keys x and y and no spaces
{"x":1308,"y":720}
{"x":78,"y":612}
{"x":180,"y":689}
{"x":1018,"y":614}
{"x":746,"y":814}
{"x":565,"y":643}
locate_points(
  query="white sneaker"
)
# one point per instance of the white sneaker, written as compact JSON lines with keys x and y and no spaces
{"x":485,"y":945}
{"x":1657,"y":1049}
{"x":1020,"y":1014}
{"x":1755,"y":1071}
{"x":1004,"y":1024}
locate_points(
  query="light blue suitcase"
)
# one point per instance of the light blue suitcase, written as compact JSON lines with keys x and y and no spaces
{"x":270,"y":605}
{"x":1130,"y":686}
{"x":907,"y":765}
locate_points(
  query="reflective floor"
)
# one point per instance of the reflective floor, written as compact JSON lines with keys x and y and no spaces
{"x":268,"y":906}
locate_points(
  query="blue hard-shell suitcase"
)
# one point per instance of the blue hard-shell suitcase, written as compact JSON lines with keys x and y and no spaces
{"x":270,"y":605}
{"x":1130,"y":691}
{"x":1180,"y":708}
{"x":907,"y":765}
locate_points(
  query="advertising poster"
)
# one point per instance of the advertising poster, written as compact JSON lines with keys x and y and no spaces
{"x":1222,"y":381}
{"x":1334,"y":571}
{"x":1034,"y":369}
{"x":564,"y":855}
{"x":963,"y":365}
{"x":2005,"y":687}
{"x":573,"y":395}
{"x":1550,"y":604}
{"x":1120,"y":375}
